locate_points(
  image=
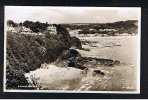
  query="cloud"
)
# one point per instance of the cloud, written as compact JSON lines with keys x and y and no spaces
{"x":70,"y":14}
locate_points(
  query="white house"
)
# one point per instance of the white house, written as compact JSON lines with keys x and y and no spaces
{"x":23,"y":29}
{"x":52,"y":29}
{"x":19,"y":29}
{"x":11,"y":29}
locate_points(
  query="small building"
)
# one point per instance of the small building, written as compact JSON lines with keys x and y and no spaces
{"x":11,"y":29}
{"x":19,"y":29}
{"x":25,"y":29}
{"x":52,"y":29}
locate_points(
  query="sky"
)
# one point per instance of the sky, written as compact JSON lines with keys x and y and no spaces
{"x":57,"y":15}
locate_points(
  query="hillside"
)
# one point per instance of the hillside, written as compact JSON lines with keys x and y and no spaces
{"x":129,"y":26}
{"x":27,"y":52}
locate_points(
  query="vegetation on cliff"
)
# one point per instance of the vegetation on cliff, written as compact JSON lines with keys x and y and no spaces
{"x":27,"y":52}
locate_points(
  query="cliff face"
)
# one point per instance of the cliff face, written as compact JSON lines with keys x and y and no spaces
{"x":26,"y":53}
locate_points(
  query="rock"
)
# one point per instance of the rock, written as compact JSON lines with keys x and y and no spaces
{"x":76,"y":42}
{"x":82,"y":67}
{"x":116,"y":62}
{"x":54,"y":77}
{"x":97,"y":71}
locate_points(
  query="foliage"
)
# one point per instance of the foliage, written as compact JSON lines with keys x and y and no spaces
{"x":26,"y":53}
{"x":35,"y":26}
{"x":128,"y":26}
{"x":11,"y":23}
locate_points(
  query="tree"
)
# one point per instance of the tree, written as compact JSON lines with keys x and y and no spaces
{"x":36,"y":26}
{"x":11,"y":23}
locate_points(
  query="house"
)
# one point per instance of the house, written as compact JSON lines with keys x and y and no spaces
{"x":23,"y":30}
{"x":26,"y":30}
{"x":52,"y":29}
{"x":19,"y":29}
{"x":11,"y":29}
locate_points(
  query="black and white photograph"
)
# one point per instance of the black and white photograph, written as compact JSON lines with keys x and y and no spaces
{"x":72,"y":49}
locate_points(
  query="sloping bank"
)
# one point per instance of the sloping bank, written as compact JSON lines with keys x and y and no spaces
{"x":26,"y":53}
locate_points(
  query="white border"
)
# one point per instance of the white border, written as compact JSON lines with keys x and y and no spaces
{"x":67,"y":91}
{"x":5,"y":42}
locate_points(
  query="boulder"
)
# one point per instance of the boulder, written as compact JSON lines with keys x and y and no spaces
{"x":97,"y":71}
{"x":76,"y":42}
